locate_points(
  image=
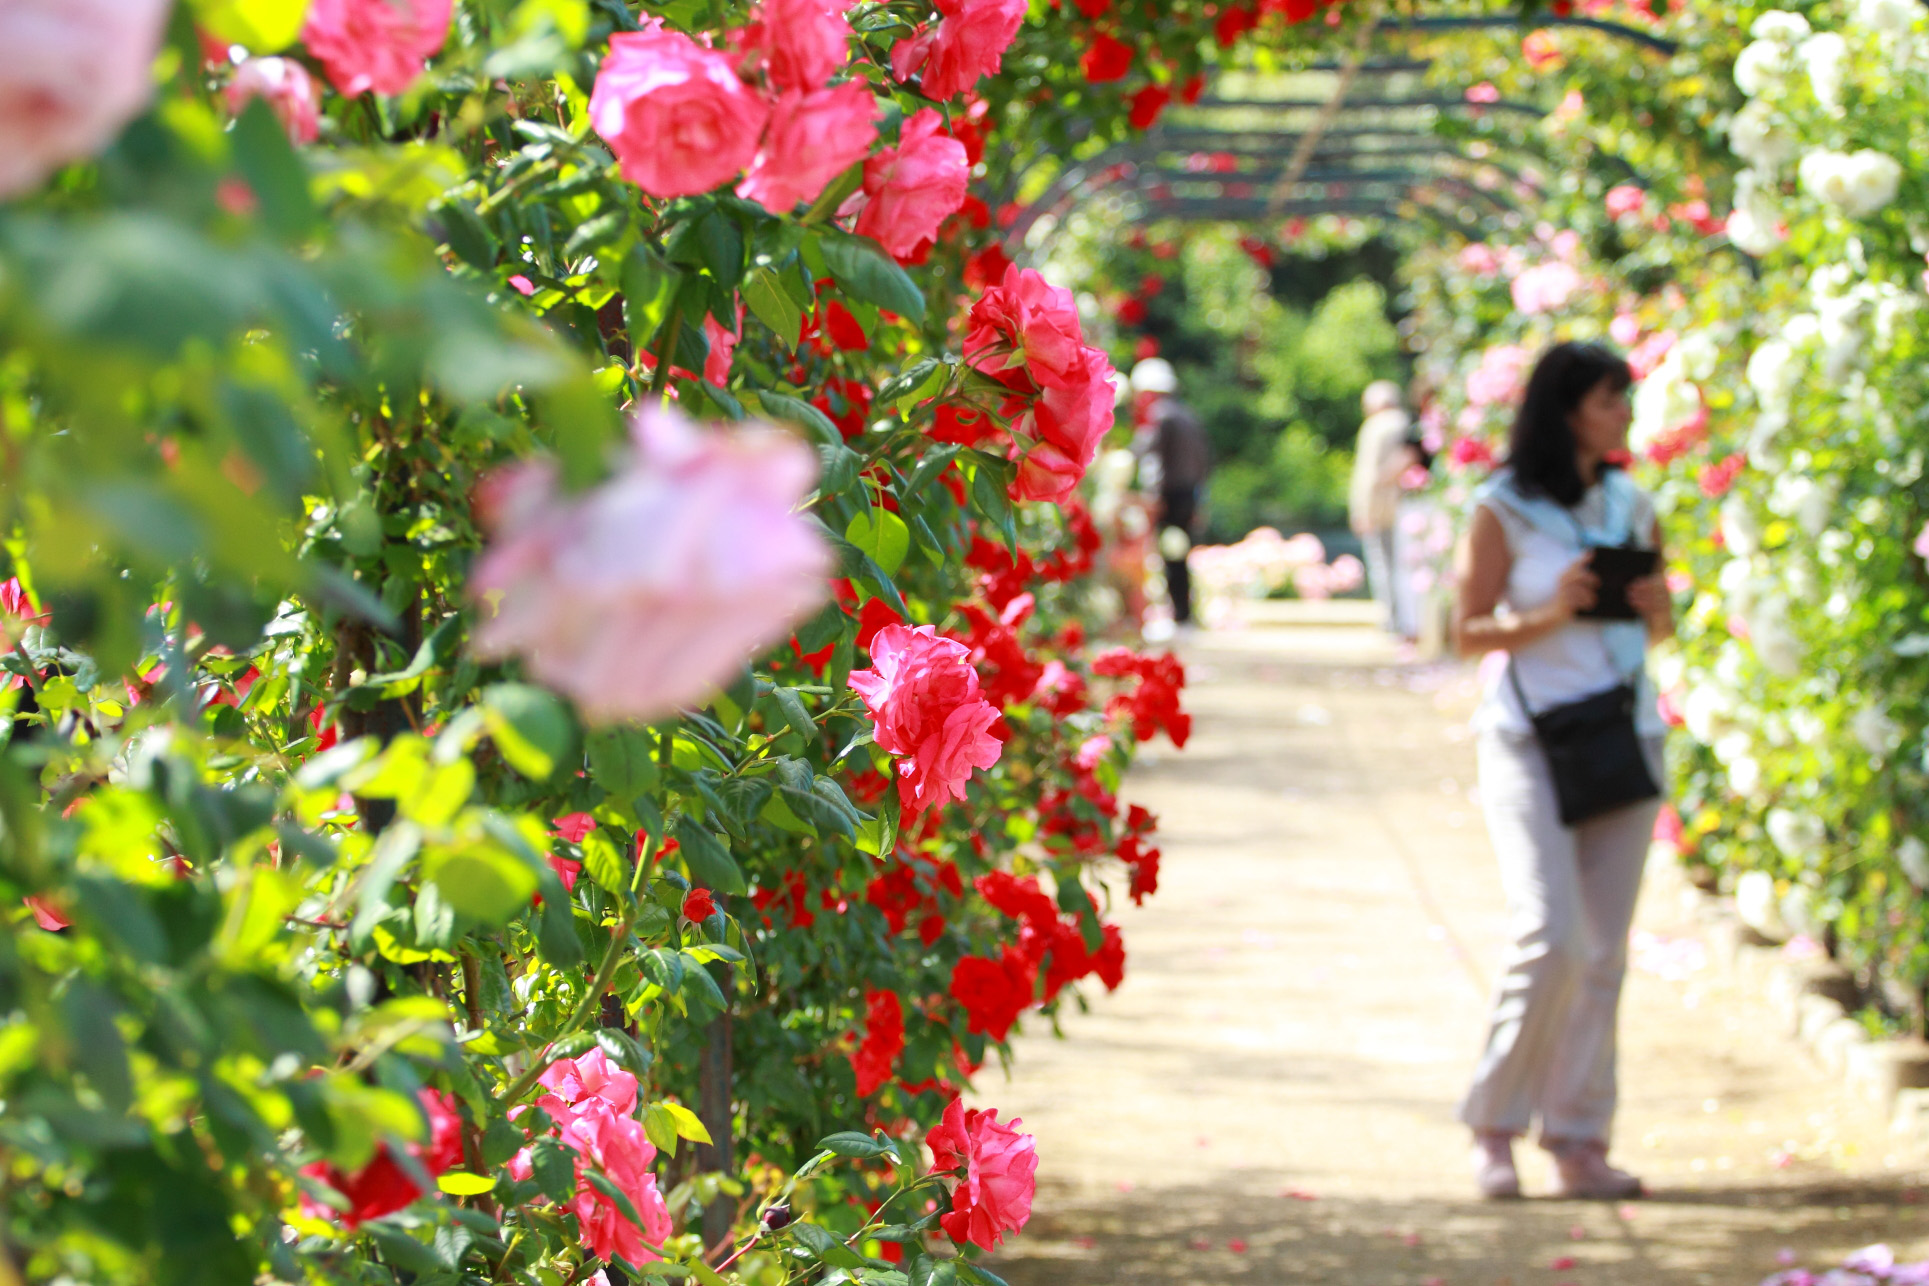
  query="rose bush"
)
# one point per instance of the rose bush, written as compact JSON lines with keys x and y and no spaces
{"x":444,"y":836}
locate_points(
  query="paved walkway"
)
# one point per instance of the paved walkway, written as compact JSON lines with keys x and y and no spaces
{"x":1269,"y":1097}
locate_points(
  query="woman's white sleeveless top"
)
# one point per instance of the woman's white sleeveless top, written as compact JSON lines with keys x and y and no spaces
{"x":1584,"y":656}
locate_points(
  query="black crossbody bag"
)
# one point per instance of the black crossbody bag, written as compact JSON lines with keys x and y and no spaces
{"x":1593,"y":752}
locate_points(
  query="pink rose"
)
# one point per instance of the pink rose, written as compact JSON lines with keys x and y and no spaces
{"x":802,"y":43}
{"x":575,"y":1081}
{"x":1027,"y":322}
{"x":287,"y":88}
{"x":928,"y":710}
{"x":812,"y":139}
{"x":75,"y":72}
{"x":381,"y":45}
{"x":1922,"y":543}
{"x":723,"y":347}
{"x":1625,"y":199}
{"x":645,"y":592}
{"x":970,"y":42}
{"x":678,"y":119}
{"x":914,"y":187}
{"x":46,"y":915}
{"x":1545,"y":287}
{"x":616,"y":1144}
{"x":1000,"y":1179}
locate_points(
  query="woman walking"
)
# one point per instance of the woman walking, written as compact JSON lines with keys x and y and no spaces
{"x":1570,"y":760}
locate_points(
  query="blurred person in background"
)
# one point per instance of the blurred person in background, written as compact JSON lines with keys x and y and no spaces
{"x":1175,"y":465}
{"x":1382,"y":454}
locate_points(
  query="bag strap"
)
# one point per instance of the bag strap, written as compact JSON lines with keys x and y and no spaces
{"x":1513,"y":679}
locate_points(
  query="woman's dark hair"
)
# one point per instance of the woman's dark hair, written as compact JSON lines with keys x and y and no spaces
{"x":1541,"y":451}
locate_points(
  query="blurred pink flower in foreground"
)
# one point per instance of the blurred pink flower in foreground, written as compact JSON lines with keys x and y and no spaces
{"x":75,"y":72}
{"x":381,"y":45}
{"x":647,"y":591}
{"x":288,"y":90}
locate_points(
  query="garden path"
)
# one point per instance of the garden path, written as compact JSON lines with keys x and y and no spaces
{"x":1269,"y":1097}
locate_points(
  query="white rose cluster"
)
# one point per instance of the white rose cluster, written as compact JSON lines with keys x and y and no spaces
{"x":1798,"y":835}
{"x":1755,"y":224}
{"x":1860,"y":184}
{"x":1889,"y":18}
{"x":1826,"y":56}
{"x":1664,"y":400}
{"x":1768,"y":62}
{"x":1754,"y":137}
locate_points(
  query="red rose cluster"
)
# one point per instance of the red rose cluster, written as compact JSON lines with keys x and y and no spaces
{"x":968,"y":41}
{"x":994,"y":993}
{"x":383,"y":1187}
{"x":876,"y":1056}
{"x":1000,"y":1175}
{"x":927,"y":708}
{"x":1025,"y":333}
{"x":911,"y":888}
{"x":1153,"y":704}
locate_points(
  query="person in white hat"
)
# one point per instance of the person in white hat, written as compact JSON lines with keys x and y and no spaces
{"x":1380,"y":456}
{"x":1178,"y":461}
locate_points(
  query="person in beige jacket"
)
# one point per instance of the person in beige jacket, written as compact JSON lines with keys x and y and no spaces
{"x":1380,"y":456}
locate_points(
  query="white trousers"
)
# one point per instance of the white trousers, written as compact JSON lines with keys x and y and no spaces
{"x":1570,"y":898}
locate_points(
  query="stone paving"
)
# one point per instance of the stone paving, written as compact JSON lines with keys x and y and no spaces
{"x":1269,"y":1097}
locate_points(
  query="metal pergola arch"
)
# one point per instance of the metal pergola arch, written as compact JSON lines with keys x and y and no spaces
{"x":1267,"y":164}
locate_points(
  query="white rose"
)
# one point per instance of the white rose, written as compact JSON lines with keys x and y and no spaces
{"x":1827,"y":58}
{"x":1878,"y":733}
{"x":1741,"y":531}
{"x":1663,"y":400}
{"x":1753,"y":137}
{"x":1705,"y":712}
{"x":1774,"y":639}
{"x":1860,"y":184}
{"x":1797,"y":835}
{"x":1802,"y":329}
{"x":1757,"y":904}
{"x":1890,"y":17}
{"x":1806,"y":725}
{"x":1745,"y":775}
{"x":1762,"y":66}
{"x":1780,"y":24}
{"x":1772,"y":374}
{"x":1913,"y":856}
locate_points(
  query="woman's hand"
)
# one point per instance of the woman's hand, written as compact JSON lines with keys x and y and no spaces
{"x":1650,"y":597}
{"x":1577,"y":591}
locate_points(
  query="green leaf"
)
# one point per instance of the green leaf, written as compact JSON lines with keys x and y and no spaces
{"x":272,"y":169}
{"x":933,"y":1272}
{"x":601,"y":1183}
{"x":862,"y":267}
{"x":437,"y":648}
{"x":597,"y":232}
{"x":991,"y":493}
{"x":264,"y":26}
{"x":851,"y":1143}
{"x":825,"y":1247}
{"x":720,"y":244}
{"x":531,"y":728}
{"x":709,"y":861}
{"x":660,"y":1127}
{"x":606,"y":864}
{"x":623,"y":761}
{"x":930,"y":465}
{"x":649,"y":284}
{"x":699,"y":986}
{"x":882,"y":536}
{"x":910,"y":384}
{"x":791,"y":706}
{"x":977,"y":1275}
{"x":555,"y":1168}
{"x":771,"y":304}
{"x":467,"y":235}
{"x":794,"y":410}
{"x":460,"y":1184}
{"x":481,"y":882}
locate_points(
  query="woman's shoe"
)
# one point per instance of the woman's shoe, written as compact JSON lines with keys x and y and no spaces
{"x":1494,"y":1172}
{"x":1582,"y":1173}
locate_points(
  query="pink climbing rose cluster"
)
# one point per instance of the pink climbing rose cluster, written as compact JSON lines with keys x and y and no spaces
{"x":911,"y":189}
{"x":287,"y":88}
{"x":1025,"y":333}
{"x":646,"y":592}
{"x":593,"y":1106}
{"x":75,"y":72}
{"x":994,"y":1195}
{"x":968,"y":41}
{"x":379,"y":45}
{"x":927,"y":709}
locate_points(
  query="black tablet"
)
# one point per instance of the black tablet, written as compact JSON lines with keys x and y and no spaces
{"x":1617,"y":566}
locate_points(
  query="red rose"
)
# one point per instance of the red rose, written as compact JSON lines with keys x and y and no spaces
{"x":675,"y":114}
{"x":382,"y":1186}
{"x":698,"y":906}
{"x":801,"y":43}
{"x":1107,"y":60}
{"x":1000,"y":1175}
{"x":1147,"y":104}
{"x":844,"y":330}
{"x":1025,"y":321}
